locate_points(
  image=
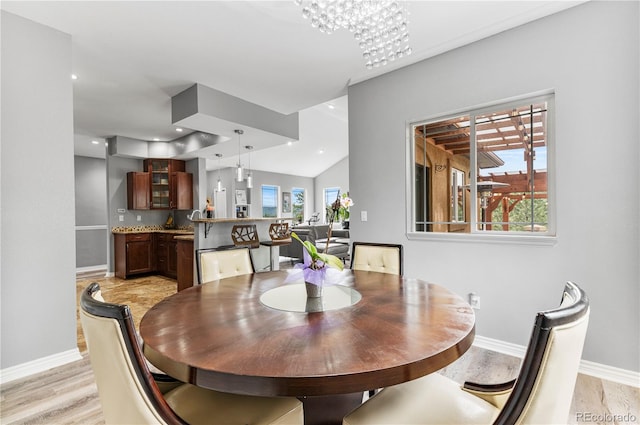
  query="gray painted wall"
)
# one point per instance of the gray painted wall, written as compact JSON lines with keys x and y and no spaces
{"x":91,"y":212}
{"x":37,"y":277}
{"x":286,"y":182}
{"x":590,"y":56}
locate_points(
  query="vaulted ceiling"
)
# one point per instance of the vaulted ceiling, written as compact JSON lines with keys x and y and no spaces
{"x":132,"y":57}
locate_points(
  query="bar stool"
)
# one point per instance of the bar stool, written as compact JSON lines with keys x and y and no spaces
{"x":280,"y":235}
{"x":245,"y":235}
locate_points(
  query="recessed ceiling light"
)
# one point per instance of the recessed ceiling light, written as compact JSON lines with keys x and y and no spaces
{"x":330,"y":106}
{"x":321,"y":151}
{"x":179,"y":130}
{"x":74,"y":77}
{"x":95,"y":142}
{"x":289,"y":143}
{"x":155,"y":139}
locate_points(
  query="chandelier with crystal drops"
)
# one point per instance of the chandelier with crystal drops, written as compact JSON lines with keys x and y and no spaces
{"x":379,"y":26}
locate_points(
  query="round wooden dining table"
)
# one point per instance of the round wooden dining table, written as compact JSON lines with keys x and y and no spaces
{"x":256,"y":334}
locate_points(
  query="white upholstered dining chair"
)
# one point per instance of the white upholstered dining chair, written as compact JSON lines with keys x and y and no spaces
{"x":541,"y":394}
{"x":377,"y":257}
{"x":129,"y":395}
{"x":215,"y":263}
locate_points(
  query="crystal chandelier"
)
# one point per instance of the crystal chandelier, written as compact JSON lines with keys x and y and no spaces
{"x":379,"y":26}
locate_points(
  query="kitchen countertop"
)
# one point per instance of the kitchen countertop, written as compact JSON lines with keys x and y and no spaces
{"x":150,"y":229}
{"x":235,"y":220}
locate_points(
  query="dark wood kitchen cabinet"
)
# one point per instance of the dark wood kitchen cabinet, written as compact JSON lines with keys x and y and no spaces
{"x":181,"y":191}
{"x":166,"y":255}
{"x":164,"y":185}
{"x":170,"y":186}
{"x":138,"y":191}
{"x":133,"y":254}
{"x":138,"y":253}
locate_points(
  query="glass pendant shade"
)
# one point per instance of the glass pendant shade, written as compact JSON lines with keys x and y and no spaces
{"x":239,"y":171}
{"x":219,"y":183}
{"x":249,"y":176}
{"x":249,"y":181}
{"x":239,"y":176}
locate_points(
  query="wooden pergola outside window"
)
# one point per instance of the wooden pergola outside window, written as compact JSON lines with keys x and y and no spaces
{"x":510,"y":172}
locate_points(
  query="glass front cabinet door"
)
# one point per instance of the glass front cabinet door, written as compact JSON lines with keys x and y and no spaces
{"x":171,"y":187}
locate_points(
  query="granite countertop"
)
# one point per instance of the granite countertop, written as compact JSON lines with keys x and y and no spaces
{"x":235,"y":220}
{"x":184,"y":237}
{"x":151,"y":229}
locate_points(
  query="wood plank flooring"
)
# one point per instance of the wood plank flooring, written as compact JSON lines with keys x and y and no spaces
{"x":68,"y":394}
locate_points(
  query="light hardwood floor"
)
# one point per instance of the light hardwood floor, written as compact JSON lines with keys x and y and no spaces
{"x":68,"y":394}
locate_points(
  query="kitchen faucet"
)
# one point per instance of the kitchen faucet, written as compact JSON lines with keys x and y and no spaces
{"x":190,"y":217}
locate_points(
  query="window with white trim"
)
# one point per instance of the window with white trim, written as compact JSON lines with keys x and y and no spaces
{"x":270,"y":201}
{"x":331,"y":194}
{"x":297,"y":204}
{"x":484,"y":171}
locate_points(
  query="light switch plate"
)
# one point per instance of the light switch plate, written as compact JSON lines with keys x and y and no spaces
{"x":121,"y":217}
{"x":363,"y":216}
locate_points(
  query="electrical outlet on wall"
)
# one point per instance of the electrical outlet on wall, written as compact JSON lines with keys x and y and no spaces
{"x":139,"y":218}
{"x":474,"y":300}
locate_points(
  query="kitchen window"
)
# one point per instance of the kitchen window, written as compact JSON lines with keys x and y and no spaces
{"x":270,"y":201}
{"x":484,"y":171}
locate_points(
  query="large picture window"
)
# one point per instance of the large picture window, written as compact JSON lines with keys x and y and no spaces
{"x":269,"y":201}
{"x":298,"y":205}
{"x":484,"y":171}
{"x":330,"y":196}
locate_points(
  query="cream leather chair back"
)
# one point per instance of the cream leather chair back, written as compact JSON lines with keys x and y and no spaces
{"x":544,"y":388}
{"x":125,"y":389}
{"x":129,"y":395}
{"x":216,"y":264}
{"x":541,"y":394}
{"x":382,"y":258}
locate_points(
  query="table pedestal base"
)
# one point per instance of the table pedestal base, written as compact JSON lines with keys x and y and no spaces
{"x":329,"y":409}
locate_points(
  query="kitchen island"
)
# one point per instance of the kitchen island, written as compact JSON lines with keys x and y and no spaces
{"x":209,"y":222}
{"x":217,"y":232}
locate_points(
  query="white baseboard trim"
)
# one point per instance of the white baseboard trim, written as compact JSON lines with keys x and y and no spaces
{"x":91,"y":268}
{"x":610,"y":373}
{"x":598,"y":370}
{"x":39,"y":365}
{"x":498,"y":346}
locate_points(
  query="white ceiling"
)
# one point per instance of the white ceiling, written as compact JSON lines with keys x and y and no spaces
{"x":132,"y":57}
